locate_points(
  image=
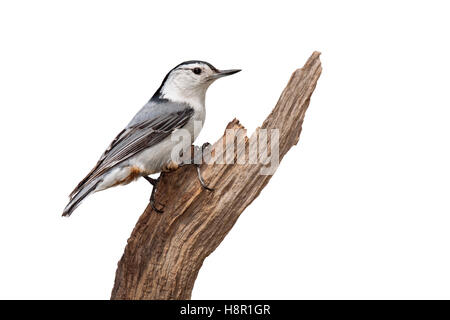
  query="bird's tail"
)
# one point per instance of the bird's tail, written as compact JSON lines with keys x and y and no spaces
{"x":77,"y":198}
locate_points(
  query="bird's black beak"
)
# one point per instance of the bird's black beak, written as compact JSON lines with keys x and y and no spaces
{"x":224,"y":73}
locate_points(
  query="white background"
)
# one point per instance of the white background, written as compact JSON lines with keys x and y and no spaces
{"x":359,"y":209}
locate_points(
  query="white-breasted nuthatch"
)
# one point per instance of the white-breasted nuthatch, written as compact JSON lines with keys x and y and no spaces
{"x":145,"y":146}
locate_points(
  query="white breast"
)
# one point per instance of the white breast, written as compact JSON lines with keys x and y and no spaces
{"x":155,"y":158}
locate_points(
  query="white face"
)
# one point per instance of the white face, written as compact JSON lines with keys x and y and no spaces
{"x":189,"y":81}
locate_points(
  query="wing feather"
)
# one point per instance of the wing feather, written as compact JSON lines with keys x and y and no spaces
{"x":134,"y":139}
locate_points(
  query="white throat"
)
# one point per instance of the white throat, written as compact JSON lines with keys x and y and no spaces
{"x":194,"y":96}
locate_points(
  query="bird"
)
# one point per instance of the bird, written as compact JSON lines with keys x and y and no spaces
{"x":144,"y":146}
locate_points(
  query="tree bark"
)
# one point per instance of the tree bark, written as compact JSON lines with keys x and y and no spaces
{"x":165,"y":251}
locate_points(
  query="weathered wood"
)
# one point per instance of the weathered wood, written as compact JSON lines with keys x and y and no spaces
{"x":165,"y":251}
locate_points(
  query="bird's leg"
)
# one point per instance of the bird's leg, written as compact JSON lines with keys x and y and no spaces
{"x":154,"y":183}
{"x":196,"y":161}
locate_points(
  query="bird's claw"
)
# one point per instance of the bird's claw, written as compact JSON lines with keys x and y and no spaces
{"x":196,"y":160}
{"x":152,"y":204}
{"x":200,"y":178}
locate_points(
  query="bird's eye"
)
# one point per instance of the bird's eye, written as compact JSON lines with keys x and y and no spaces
{"x":197,"y":70}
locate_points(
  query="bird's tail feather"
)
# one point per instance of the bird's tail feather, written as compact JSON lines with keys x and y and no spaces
{"x":76,"y":200}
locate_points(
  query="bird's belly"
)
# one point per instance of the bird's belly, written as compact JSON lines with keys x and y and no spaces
{"x":153,"y":159}
{"x":156,"y":158}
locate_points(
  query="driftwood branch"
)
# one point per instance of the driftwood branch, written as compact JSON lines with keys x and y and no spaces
{"x":165,"y":251}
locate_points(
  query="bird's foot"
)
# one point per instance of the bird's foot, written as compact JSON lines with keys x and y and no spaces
{"x":196,"y":160}
{"x":200,"y":178}
{"x":154,"y":183}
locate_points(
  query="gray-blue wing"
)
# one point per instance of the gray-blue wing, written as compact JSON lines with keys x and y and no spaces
{"x":137,"y":137}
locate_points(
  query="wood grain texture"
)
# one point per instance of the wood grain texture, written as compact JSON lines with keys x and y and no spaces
{"x":165,"y":251}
